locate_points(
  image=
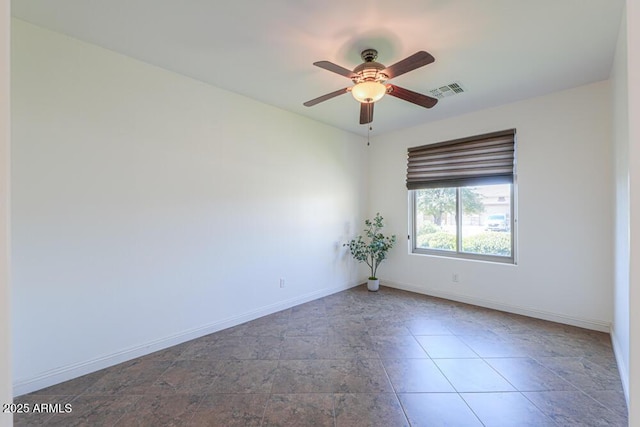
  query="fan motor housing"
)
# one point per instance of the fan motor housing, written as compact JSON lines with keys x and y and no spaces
{"x":369,"y":71}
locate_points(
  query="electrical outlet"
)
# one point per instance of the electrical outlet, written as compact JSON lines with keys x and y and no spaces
{"x":282,"y":283}
{"x":455,"y":277}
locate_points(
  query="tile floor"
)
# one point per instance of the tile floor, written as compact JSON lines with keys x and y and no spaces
{"x":359,"y":358}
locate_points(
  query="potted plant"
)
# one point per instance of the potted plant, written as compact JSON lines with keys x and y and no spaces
{"x":372,"y":251}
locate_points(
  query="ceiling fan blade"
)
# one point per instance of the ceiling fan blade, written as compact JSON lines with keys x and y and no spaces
{"x":411,"y":96}
{"x":417,"y":60}
{"x":330,"y":66}
{"x":366,"y":112}
{"x":325,"y":97}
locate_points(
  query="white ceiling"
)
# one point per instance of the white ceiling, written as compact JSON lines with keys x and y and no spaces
{"x":500,"y":50}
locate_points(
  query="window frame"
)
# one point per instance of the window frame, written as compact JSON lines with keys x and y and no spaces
{"x":457,"y":253}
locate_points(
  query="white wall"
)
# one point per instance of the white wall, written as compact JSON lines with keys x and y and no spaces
{"x":564,"y":269}
{"x":633,"y":58}
{"x":620,"y":327}
{"x":5,"y":318}
{"x":149,"y":208}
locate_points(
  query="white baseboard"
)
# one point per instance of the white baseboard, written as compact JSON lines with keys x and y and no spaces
{"x":595,"y":325}
{"x":65,"y":373}
{"x":622,"y":368}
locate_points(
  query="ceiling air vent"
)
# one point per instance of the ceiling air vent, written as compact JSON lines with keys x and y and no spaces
{"x":447,"y":90}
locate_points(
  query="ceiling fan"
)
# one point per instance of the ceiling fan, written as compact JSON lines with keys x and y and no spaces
{"x":370,"y":79}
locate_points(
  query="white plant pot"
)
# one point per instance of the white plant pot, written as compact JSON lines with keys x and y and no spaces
{"x":373,"y":285}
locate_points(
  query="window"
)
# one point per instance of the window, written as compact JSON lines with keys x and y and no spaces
{"x":462,"y":197}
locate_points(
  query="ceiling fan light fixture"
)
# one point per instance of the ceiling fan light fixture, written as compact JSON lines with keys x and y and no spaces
{"x":368,"y":92}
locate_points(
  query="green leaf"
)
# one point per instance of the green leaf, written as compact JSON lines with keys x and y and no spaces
{"x":375,"y":249}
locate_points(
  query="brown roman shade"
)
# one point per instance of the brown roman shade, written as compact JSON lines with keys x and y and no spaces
{"x":477,"y":160}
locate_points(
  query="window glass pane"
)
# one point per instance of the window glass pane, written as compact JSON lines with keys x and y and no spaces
{"x":435,"y":219}
{"x":486,"y":219}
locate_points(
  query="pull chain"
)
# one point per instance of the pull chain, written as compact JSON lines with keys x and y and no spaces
{"x":368,"y":130}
